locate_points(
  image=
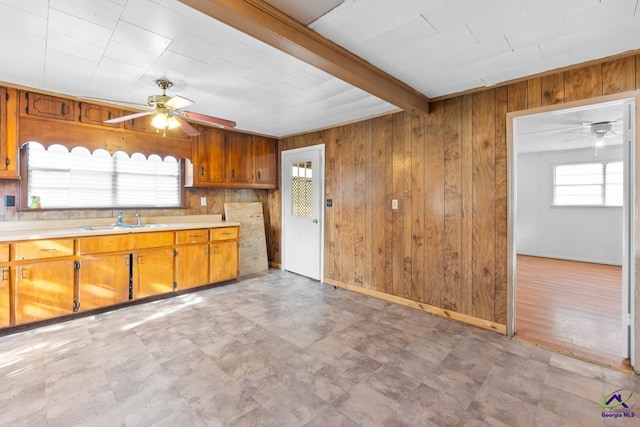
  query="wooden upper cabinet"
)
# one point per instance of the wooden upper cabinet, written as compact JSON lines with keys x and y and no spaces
{"x":241,"y":169}
{"x":210,"y":158}
{"x":265,"y":157}
{"x":3,"y":129}
{"x":96,"y":114}
{"x":253,"y":161}
{"x":52,"y":107}
{"x":8,"y":133}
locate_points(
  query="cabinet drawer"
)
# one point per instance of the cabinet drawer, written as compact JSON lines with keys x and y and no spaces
{"x":4,"y":252}
{"x":43,"y":249}
{"x":101,"y":244}
{"x":192,"y":236}
{"x":153,"y":240}
{"x":224,"y":233}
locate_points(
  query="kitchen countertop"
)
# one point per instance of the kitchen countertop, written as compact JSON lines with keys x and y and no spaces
{"x":73,"y":228}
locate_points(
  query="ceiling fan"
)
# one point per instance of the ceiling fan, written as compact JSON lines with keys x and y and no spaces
{"x":598,"y":130}
{"x":168,"y":114}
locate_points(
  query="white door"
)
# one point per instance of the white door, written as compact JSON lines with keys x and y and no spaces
{"x":302,"y":209}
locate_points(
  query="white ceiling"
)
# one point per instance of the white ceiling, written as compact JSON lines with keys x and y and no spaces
{"x":569,"y":129}
{"x":116,"y":49}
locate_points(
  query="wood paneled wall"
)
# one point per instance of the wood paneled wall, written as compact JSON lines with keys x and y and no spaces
{"x":446,"y":244}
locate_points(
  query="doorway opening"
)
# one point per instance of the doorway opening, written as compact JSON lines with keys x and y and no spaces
{"x":572,"y":199}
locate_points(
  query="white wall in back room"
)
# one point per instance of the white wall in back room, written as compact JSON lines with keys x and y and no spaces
{"x":591,"y":234}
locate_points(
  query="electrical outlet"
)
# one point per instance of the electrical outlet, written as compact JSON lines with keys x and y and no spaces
{"x":394,"y":204}
{"x":203,"y":201}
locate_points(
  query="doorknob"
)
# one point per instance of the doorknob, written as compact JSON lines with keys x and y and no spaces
{"x":315,"y":221}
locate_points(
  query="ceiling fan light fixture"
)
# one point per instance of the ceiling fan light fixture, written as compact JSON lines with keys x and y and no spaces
{"x":163,"y":121}
{"x":172,"y":123}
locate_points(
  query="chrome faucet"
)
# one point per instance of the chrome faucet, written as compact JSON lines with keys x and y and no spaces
{"x":120,"y":220}
{"x":138,"y":219}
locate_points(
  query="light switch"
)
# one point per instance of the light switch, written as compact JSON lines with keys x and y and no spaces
{"x":203,"y":201}
{"x":394,"y":204}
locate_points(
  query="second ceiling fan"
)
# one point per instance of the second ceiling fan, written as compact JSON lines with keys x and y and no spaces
{"x":168,"y":114}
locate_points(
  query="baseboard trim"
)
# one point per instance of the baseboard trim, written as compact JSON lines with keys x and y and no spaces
{"x":454,"y":315}
{"x":276,"y":265}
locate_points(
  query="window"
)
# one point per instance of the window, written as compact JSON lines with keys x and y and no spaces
{"x":81,"y":179}
{"x":301,"y":189}
{"x":588,"y":184}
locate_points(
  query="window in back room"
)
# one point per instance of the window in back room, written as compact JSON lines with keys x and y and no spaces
{"x":587,"y":184}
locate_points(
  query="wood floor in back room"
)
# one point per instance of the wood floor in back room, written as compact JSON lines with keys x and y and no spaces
{"x":569,"y":306}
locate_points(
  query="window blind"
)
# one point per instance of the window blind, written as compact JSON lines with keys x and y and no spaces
{"x":81,"y":179}
{"x":588,"y":184}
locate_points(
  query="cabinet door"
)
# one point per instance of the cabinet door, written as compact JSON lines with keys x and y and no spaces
{"x":52,"y":107}
{"x":192,"y":266}
{"x":8,"y":134}
{"x":265,"y":158}
{"x":224,"y":261}
{"x":240,"y":158}
{"x":210,"y":158}
{"x":96,"y":114}
{"x":3,"y":129}
{"x":152,"y":272}
{"x":5,"y":295}
{"x":103,"y":281}
{"x":44,"y":290}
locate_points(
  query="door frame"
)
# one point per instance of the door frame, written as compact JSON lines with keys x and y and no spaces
{"x":634,"y":339}
{"x":321,"y":148}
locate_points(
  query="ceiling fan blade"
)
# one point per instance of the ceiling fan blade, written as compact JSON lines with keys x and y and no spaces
{"x":583,"y":136}
{"x":178,"y":102}
{"x":115,"y":101}
{"x":129,"y":117}
{"x":209,"y":119}
{"x":186,"y":127}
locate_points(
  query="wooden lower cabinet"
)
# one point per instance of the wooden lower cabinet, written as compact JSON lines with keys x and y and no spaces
{"x":44,"y":279}
{"x":44,"y":290}
{"x":152,"y":272}
{"x":5,"y":295}
{"x":192,"y":266}
{"x":224,"y":261}
{"x":103,"y":281}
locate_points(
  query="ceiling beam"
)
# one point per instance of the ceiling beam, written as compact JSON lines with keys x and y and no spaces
{"x":267,"y":24}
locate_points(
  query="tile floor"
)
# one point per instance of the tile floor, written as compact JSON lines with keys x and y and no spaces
{"x":277,"y":349}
